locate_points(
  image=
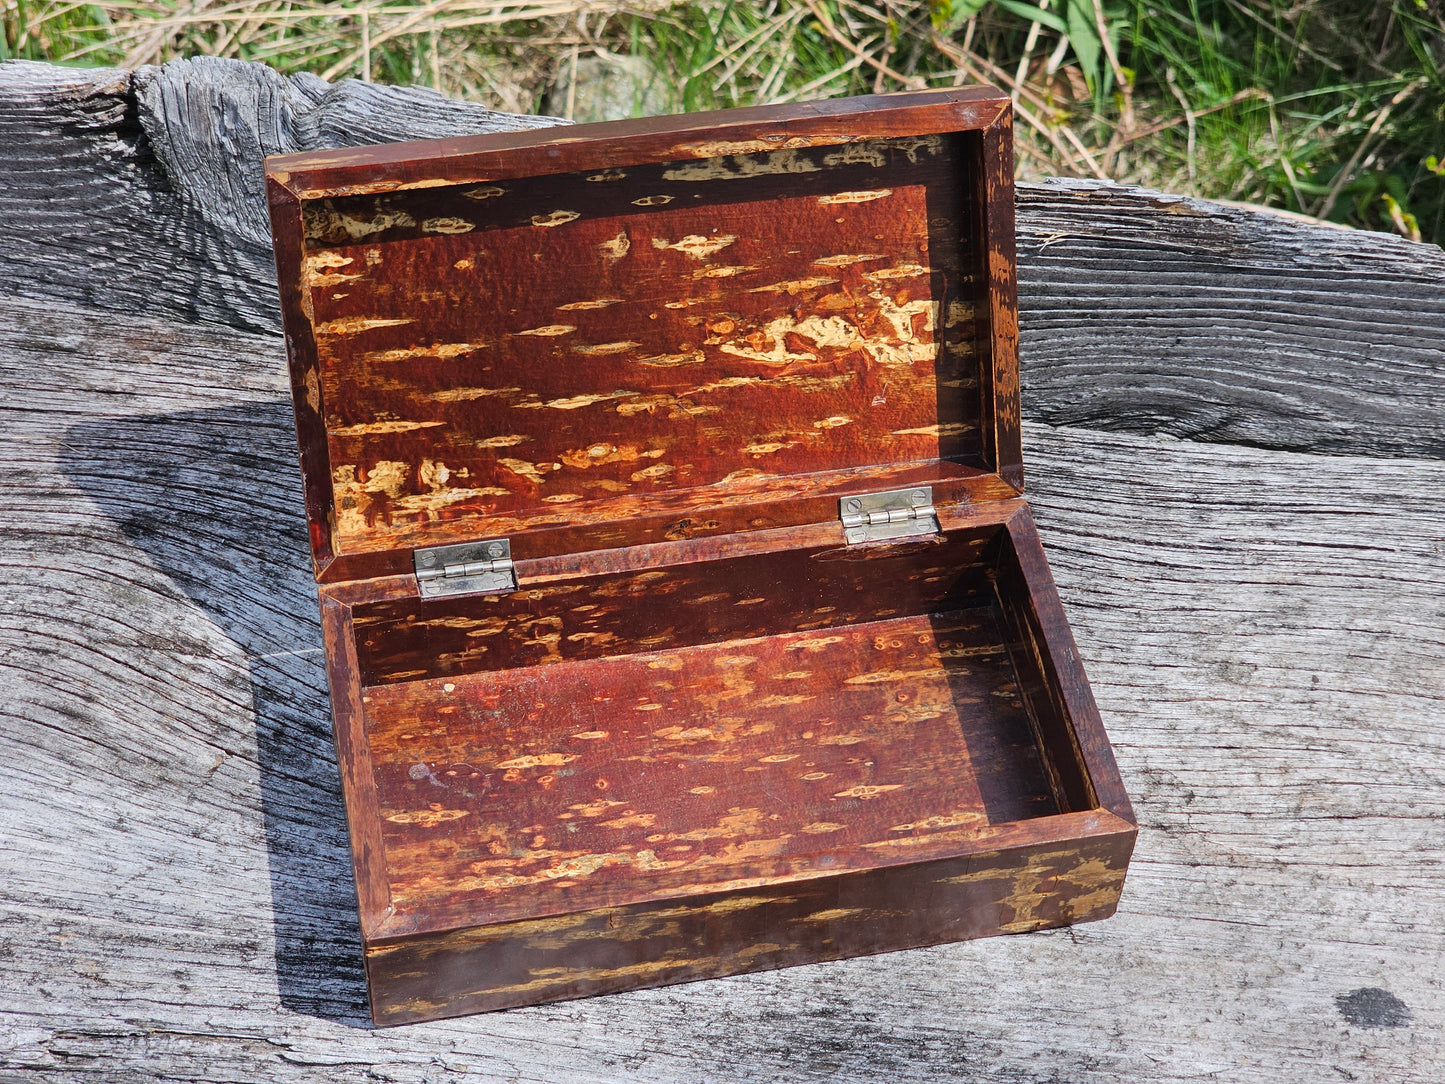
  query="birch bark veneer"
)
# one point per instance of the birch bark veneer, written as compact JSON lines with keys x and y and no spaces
{"x":683,"y":613}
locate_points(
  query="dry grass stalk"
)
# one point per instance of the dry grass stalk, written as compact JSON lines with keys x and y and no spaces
{"x":1179,"y":110}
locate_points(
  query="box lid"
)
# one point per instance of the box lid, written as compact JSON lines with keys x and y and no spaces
{"x":605,"y":335}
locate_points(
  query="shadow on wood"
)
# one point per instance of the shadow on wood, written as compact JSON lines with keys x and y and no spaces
{"x":244,"y":547}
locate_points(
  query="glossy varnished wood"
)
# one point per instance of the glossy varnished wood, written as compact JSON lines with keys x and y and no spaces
{"x":633,"y":333}
{"x":704,"y":735}
{"x":727,"y":596}
{"x":783,"y":721}
{"x":1015,"y":889}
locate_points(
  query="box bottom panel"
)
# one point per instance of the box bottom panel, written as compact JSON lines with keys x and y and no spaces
{"x":510,"y":794}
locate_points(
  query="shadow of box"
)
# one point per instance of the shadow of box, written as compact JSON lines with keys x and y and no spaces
{"x":235,"y":555}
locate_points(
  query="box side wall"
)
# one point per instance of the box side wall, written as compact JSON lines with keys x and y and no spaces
{"x":286,"y":229}
{"x":999,"y":341}
{"x":353,"y":757}
{"x":1066,"y":703}
{"x":539,"y":152}
{"x":1037,"y":672}
{"x":608,"y":950}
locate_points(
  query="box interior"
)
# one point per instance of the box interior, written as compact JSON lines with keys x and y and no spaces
{"x":767,"y":715}
{"x":580,"y":348}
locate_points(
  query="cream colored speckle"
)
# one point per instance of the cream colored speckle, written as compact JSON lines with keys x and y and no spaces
{"x":550,"y":330}
{"x":725,"y":272}
{"x":866,"y":791}
{"x":598,"y":303}
{"x":794,"y":286}
{"x":696,"y":245}
{"x":616,"y":248}
{"x":541,"y":760}
{"x":351,"y":325}
{"x":447,"y":225}
{"x":576,"y":401}
{"x":598,"y":349}
{"x":370,"y":428}
{"x":855,"y":197}
{"x":847,"y":260}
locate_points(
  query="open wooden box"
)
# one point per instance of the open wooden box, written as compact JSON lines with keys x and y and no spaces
{"x":682,"y":610}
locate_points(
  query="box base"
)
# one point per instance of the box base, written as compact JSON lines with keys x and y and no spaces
{"x":605,"y":782}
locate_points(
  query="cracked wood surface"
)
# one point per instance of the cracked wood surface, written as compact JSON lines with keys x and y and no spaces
{"x":1139,"y":312}
{"x":1263,"y":629}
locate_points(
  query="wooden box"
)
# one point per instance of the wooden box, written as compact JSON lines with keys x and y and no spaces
{"x":683,"y":613}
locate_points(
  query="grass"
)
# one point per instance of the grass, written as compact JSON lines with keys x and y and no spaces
{"x":1329,"y":108}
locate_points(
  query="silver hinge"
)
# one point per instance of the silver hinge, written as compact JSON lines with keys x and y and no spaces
{"x":877,"y":517}
{"x":472,"y":568}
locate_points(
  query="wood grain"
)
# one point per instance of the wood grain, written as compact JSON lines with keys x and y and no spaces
{"x":177,"y":895}
{"x":117,"y":195}
{"x":1152,"y":313}
{"x":1140,"y":312}
{"x":175,"y":889}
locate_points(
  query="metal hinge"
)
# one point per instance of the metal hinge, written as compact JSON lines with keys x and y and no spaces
{"x":877,"y":517}
{"x":472,"y":568}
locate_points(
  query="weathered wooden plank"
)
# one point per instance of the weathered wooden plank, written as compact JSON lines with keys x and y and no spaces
{"x":1139,"y":312}
{"x":1263,"y":631}
{"x":1147,"y":313}
{"x":143,"y":192}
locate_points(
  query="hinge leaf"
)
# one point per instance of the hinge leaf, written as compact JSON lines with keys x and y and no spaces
{"x":879,"y":517}
{"x":471,"y":568}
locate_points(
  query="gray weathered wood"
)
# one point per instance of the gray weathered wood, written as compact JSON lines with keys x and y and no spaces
{"x":1265,"y":631}
{"x":1149,"y":313}
{"x":143,"y":192}
{"x":1140,"y":312}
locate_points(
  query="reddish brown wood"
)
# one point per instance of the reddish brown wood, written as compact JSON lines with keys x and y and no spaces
{"x":1023,"y":887}
{"x":704,"y":735}
{"x":799,"y":502}
{"x":905,"y":731}
{"x":305,"y":383}
{"x":1074,"y":714}
{"x":619,"y":144}
{"x":353,"y":755}
{"x":726,"y":598}
{"x":625,"y":336}
{"x":999,"y":333}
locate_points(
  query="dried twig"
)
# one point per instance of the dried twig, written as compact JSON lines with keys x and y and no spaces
{"x":969,"y":63}
{"x":1189,"y":117}
{"x":912,"y":82}
{"x":1348,"y":169}
{"x":1022,"y":71}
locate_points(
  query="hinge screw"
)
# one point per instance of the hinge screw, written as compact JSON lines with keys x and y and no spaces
{"x":494,"y":550}
{"x":428,"y":558}
{"x":854,"y":505}
{"x":918,"y":497}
